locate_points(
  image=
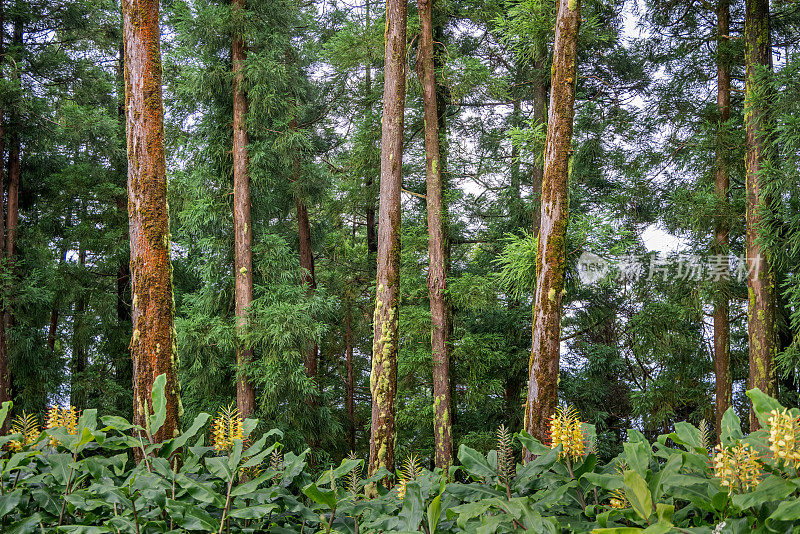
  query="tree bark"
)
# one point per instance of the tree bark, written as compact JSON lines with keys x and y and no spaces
{"x":242,"y":226}
{"x":722,"y":372}
{"x":372,"y":236}
{"x":383,"y":378}
{"x":540,"y":116}
{"x":437,"y":242}
{"x":77,"y":394}
{"x":350,"y":385}
{"x":551,"y":257}
{"x":5,"y":376}
{"x":153,"y":347}
{"x":761,"y":281}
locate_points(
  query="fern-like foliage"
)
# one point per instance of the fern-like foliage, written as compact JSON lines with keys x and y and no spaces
{"x":353,"y":478}
{"x":506,"y":466}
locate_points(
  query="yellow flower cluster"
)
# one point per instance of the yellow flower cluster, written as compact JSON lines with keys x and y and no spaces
{"x":28,"y":426}
{"x":226,"y":428}
{"x":783,"y":430}
{"x":66,"y":418}
{"x":738,"y":467}
{"x":618,"y":500}
{"x":565,"y":430}
{"x":411,"y":470}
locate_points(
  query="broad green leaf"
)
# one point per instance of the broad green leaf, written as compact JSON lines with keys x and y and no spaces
{"x":434,"y":513}
{"x":321,"y":496}
{"x":731,"y":428}
{"x":26,"y":525}
{"x":687,"y":435}
{"x":607,"y":482}
{"x":10,"y":501}
{"x":156,"y":421}
{"x":772,"y":488}
{"x":618,"y":530}
{"x":257,"y":511}
{"x":474,"y":462}
{"x":413,"y":507}
{"x":762,"y":405}
{"x":786,"y":511}
{"x":177,"y":443}
{"x":6,"y":407}
{"x":638,"y":494}
{"x":637,"y":456}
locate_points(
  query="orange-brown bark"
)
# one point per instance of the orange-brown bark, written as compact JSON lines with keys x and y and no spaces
{"x":152,"y":346}
{"x":551,"y":259}
{"x":242,"y":227}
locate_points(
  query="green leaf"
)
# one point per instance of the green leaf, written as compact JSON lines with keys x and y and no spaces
{"x":772,"y":488}
{"x":321,"y":496}
{"x":638,"y":494}
{"x":7,"y":405}
{"x":26,"y":525}
{"x":687,"y":435}
{"x":257,"y":511}
{"x":664,"y":512}
{"x":156,"y":421}
{"x":637,"y":456}
{"x":607,"y":482}
{"x":434,"y":512}
{"x":10,"y":501}
{"x":617,"y":530}
{"x":474,"y":462}
{"x":413,"y":507}
{"x":731,"y":428}
{"x":762,"y":405}
{"x":177,"y":443}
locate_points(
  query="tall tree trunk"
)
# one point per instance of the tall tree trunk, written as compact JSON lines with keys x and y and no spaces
{"x":372,"y":236}
{"x":383,"y":378}
{"x":5,"y":376}
{"x":722,"y":372}
{"x":242,"y":227}
{"x":437,"y":242}
{"x":350,"y":385}
{"x":761,"y":282}
{"x":153,"y":347}
{"x":77,"y":392}
{"x":551,"y":257}
{"x":540,"y":116}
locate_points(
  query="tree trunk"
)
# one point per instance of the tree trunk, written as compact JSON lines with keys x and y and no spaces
{"x":761,"y":281}
{"x":722,"y":372}
{"x":372,"y":236}
{"x":242,"y":227}
{"x":383,"y":378}
{"x":350,"y":385}
{"x":77,"y":394}
{"x":540,"y":116}
{"x":5,"y":376}
{"x":551,"y":257}
{"x":437,"y":242}
{"x":153,"y":347}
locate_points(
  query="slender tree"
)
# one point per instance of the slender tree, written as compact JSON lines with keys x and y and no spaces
{"x":761,"y":308}
{"x":5,"y":375}
{"x":551,"y":256}
{"x":383,"y":379}
{"x":722,"y":372}
{"x":242,"y":225}
{"x":153,"y":347}
{"x":437,"y":243}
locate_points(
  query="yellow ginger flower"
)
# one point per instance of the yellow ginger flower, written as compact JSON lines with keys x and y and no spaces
{"x":226,"y":428}
{"x":618,"y":498}
{"x":783,"y":430}
{"x":411,"y":470}
{"x":565,"y":430}
{"x":66,"y":418}
{"x":28,"y":426}
{"x":738,"y":467}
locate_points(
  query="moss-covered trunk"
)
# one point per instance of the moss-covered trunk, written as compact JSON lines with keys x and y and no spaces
{"x":5,"y":377}
{"x":722,"y":372}
{"x":437,"y":243}
{"x":153,"y":348}
{"x":383,"y":378}
{"x":761,"y":309}
{"x":242,"y":227}
{"x":551,"y":258}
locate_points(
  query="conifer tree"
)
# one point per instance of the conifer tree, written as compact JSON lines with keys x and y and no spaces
{"x":383,"y":378}
{"x":551,"y":249}
{"x":437,"y":242}
{"x":761,"y":310}
{"x":153,"y":346}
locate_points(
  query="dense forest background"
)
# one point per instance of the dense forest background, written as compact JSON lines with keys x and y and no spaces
{"x":649,"y":138}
